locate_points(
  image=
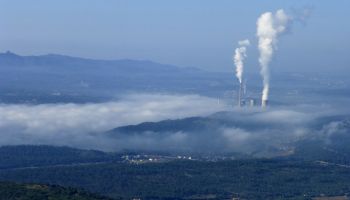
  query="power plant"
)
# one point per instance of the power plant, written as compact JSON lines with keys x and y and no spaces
{"x":248,"y":101}
{"x":269,"y":27}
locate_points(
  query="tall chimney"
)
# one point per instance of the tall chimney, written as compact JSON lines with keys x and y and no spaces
{"x":264,"y":103}
{"x":240,"y":93}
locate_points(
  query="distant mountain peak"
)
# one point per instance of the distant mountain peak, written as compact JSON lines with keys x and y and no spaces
{"x":10,"y":53}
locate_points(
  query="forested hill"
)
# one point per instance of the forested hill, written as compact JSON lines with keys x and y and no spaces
{"x":14,"y":191}
{"x":296,"y":177}
{"x":23,"y":156}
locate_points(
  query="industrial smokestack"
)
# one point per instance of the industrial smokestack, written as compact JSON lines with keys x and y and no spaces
{"x":264,"y":103}
{"x":244,"y":88}
{"x":240,"y":94}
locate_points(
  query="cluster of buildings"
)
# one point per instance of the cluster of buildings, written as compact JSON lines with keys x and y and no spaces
{"x":243,"y":100}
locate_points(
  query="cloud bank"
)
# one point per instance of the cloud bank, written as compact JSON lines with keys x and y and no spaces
{"x":78,"y":124}
{"x":220,"y":128}
{"x":249,"y":131}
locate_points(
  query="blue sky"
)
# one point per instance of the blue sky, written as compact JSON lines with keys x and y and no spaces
{"x":196,"y":33}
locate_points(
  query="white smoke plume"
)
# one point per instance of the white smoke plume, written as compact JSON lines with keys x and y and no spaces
{"x":269,"y":27}
{"x":238,"y":58}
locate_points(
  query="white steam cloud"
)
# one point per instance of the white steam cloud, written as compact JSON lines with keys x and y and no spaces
{"x":269,"y":27}
{"x":238,"y":58}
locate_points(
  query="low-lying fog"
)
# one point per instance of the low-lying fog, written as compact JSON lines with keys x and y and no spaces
{"x":78,"y":124}
{"x":238,"y":130}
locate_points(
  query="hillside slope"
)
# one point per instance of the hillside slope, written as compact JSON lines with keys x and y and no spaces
{"x":14,"y":191}
{"x":26,"y":156}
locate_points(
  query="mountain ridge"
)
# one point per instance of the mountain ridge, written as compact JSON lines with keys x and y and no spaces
{"x":8,"y":55}
{"x":35,"y":78}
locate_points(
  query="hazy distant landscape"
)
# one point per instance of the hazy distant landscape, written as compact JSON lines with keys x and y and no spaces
{"x":173,"y":134}
{"x":183,"y":100}
{"x":62,"y":100}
